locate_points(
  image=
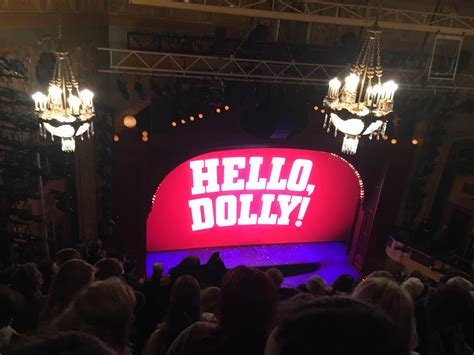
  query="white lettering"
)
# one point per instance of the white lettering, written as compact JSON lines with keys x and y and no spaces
{"x":265,"y":216}
{"x":245,"y":217}
{"x":254,"y":183}
{"x":287,"y":204}
{"x":299,"y":175}
{"x":226,"y":210}
{"x":199,"y":176}
{"x":230,"y":174}
{"x":275,"y":183}
{"x":197,"y":207}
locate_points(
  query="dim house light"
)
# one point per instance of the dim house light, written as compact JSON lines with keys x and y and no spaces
{"x":183,"y":122}
{"x":414,"y":141}
{"x":200,"y":115}
{"x":226,"y":107}
{"x":173,"y":124}
{"x":218,"y":110}
{"x":393,"y":141}
{"x":116,"y":138}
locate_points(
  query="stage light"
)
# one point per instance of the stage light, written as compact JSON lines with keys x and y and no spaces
{"x":191,"y":118}
{"x":173,"y":124}
{"x":145,"y":134}
{"x":393,"y":141}
{"x":129,"y":121}
{"x":385,"y":137}
{"x":116,"y":138}
{"x":145,"y":138}
{"x":226,"y":107}
{"x":200,"y":115}
{"x":218,"y":110}
{"x":315,"y":108}
{"x":414,"y":141}
{"x":183,"y":122}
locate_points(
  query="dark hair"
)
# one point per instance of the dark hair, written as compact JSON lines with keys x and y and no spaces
{"x":185,"y":305}
{"x":66,"y":254}
{"x":27,"y":280}
{"x":104,"y":309}
{"x":108,"y":267}
{"x":8,"y":305}
{"x":60,"y":343}
{"x":380,"y":274}
{"x":335,"y":326}
{"x":344,"y":283}
{"x":248,"y":302}
{"x":71,"y":277}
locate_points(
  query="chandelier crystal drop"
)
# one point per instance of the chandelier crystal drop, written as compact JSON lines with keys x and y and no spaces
{"x":362,"y":105}
{"x":65,"y":111}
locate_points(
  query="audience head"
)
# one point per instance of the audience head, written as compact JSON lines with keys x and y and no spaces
{"x":335,"y":326}
{"x":380,"y":274}
{"x":108,"y":267}
{"x":66,"y":254}
{"x":185,"y":305}
{"x":210,"y":298}
{"x":276,"y":276}
{"x":460,"y":282}
{"x":27,"y":280}
{"x":248,"y":302}
{"x":343,"y":284}
{"x":448,"y":305}
{"x":8,"y":305}
{"x":60,"y":343}
{"x":104,"y":309}
{"x":71,"y":277}
{"x":414,"y":286}
{"x":317,"y":286}
{"x":158,"y":269}
{"x":394,"y":300}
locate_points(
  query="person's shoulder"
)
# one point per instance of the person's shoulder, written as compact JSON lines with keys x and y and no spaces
{"x":192,"y":334}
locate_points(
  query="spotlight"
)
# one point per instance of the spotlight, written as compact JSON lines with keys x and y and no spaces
{"x":116,"y":138}
{"x":218,"y":110}
{"x":226,"y":107}
{"x":173,"y":124}
{"x":145,"y":134}
{"x":191,"y":118}
{"x":385,"y":137}
{"x":129,"y":121}
{"x":414,"y":141}
{"x":145,"y":138}
{"x":393,"y":141}
{"x":200,"y":115}
{"x":183,"y":122}
{"x":315,"y":108}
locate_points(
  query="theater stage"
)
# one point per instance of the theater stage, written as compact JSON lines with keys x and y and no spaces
{"x":327,"y":260}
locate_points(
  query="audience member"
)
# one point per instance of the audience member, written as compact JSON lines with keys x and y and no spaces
{"x":27,"y":281}
{"x":395,"y":301}
{"x":48,"y":269}
{"x":335,"y":326}
{"x":317,"y":286}
{"x":71,"y":278}
{"x":460,"y":282}
{"x":104,"y":309}
{"x":108,"y":267}
{"x":184,"y":310}
{"x":380,"y":273}
{"x":343,"y":285}
{"x":276,"y":276}
{"x":414,"y":286}
{"x":246,"y":312}
{"x":60,"y":343}
{"x":213,"y":271}
{"x":8,"y":309}
{"x":210,"y":298}
{"x":66,"y":254}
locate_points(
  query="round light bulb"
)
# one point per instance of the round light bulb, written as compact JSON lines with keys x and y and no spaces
{"x":393,"y":141}
{"x":129,"y":121}
{"x":145,"y":138}
{"x":145,"y":134}
{"x":191,"y":118}
{"x":116,"y":138}
{"x":173,"y":124}
{"x":200,"y":115}
{"x":226,"y":107}
{"x":218,"y":110}
{"x":183,"y":122}
{"x":414,"y":141}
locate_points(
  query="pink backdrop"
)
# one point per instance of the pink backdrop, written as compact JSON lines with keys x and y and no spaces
{"x":328,"y":217}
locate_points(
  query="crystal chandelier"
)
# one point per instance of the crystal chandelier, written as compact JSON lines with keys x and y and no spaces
{"x":362,"y":105}
{"x":65,"y":112}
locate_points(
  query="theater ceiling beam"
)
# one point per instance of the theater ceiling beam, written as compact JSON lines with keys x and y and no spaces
{"x":314,"y":11}
{"x":126,"y":61}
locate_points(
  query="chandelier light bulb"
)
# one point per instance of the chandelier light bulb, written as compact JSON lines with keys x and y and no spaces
{"x":74,"y":104}
{"x":40,"y":101}
{"x":87,"y":96}
{"x":129,"y":121}
{"x":352,"y":81}
{"x":334,"y":86}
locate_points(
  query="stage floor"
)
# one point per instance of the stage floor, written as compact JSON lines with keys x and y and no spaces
{"x":331,"y":256}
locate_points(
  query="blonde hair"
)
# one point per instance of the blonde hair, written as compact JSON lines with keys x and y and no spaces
{"x":394,"y":300}
{"x":104,"y":309}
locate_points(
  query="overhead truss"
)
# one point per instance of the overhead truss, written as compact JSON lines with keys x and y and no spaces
{"x":125,"y":61}
{"x":327,"y":12}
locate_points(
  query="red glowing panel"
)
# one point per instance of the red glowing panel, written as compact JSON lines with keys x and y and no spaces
{"x":254,"y":196}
